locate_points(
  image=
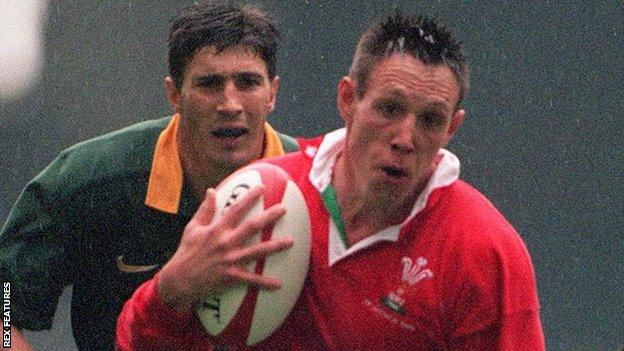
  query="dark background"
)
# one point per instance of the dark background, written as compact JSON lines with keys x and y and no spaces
{"x":543,"y":137}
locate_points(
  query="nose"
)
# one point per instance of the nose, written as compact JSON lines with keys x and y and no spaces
{"x":403,"y":139}
{"x":230,"y":102}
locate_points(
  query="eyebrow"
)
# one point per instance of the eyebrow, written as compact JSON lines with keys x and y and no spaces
{"x":430,"y":106}
{"x":207,"y":78}
{"x":438,"y":106}
{"x":248,"y":73}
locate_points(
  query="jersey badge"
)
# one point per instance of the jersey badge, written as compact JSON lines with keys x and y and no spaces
{"x":413,"y":273}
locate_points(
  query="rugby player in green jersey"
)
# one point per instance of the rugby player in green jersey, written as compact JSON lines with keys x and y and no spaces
{"x":108,"y":212}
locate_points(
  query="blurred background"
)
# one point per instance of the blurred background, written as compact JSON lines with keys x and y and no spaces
{"x":543,"y":138}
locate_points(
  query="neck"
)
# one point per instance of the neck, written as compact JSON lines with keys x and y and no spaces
{"x":201,"y":175}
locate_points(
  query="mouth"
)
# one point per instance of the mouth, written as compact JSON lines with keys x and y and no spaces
{"x":395,"y":172}
{"x":233,"y":132}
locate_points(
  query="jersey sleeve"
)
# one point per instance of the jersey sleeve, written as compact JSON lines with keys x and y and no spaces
{"x":147,"y":323}
{"x":34,"y":255}
{"x":497,"y":303}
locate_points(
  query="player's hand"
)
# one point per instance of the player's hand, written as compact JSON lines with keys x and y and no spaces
{"x":212,"y":255}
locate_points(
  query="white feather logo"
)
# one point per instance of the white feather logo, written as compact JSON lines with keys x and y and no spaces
{"x":414,"y":273}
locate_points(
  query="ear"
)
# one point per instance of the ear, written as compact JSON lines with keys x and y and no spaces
{"x":173,"y":95}
{"x":274,"y":88}
{"x":346,"y":99}
{"x":456,"y":121}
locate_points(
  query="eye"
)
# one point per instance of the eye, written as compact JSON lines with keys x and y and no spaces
{"x":432,"y":119}
{"x":212,"y":83}
{"x":390,"y":108}
{"x":248,"y":81}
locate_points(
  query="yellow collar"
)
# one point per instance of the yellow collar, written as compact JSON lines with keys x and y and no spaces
{"x":164,"y":188}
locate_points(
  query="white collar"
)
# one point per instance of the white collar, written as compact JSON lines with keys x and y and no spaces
{"x":320,"y":176}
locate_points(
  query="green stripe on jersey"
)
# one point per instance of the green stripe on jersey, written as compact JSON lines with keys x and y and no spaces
{"x":331,"y":205}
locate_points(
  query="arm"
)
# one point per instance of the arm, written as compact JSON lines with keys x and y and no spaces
{"x":147,"y":323}
{"x":34,"y":252}
{"x":499,"y":302}
{"x":18,"y":341}
{"x":210,"y":258}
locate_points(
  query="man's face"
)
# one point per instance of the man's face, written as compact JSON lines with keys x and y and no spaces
{"x":394,"y":131}
{"x":223,"y":102}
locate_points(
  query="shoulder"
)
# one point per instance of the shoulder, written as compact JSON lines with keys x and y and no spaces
{"x":294,"y":163}
{"x":121,"y":142}
{"x":471,"y":210}
{"x":288,"y":143}
{"x":298,"y":161}
{"x":482,"y":254}
{"x":309,"y":146}
{"x":474,"y":229}
{"x":118,"y":154}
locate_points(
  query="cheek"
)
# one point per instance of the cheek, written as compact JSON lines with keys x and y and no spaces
{"x":196,"y":102}
{"x":435,"y":141}
{"x":366,"y":143}
{"x":257,"y":104}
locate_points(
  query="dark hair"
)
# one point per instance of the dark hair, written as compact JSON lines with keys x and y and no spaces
{"x":223,"y":24}
{"x":415,"y":35}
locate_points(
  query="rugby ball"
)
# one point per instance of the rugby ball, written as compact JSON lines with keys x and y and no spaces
{"x":244,"y":315}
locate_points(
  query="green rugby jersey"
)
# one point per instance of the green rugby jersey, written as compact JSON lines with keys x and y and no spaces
{"x":103,"y":216}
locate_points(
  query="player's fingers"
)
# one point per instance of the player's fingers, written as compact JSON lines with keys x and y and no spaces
{"x":206,"y":209}
{"x":248,"y":253}
{"x":254,"y":279}
{"x":241,"y":205}
{"x":257,"y":223}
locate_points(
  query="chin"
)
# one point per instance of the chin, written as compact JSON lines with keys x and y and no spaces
{"x":385,"y":187}
{"x":235,"y":160}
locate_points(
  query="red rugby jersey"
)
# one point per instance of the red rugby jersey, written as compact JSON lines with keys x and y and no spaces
{"x":454,"y":276}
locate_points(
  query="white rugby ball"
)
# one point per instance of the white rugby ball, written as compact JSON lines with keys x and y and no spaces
{"x":244,"y":315}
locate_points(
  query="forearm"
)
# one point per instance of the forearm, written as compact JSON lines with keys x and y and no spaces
{"x":146,"y":323}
